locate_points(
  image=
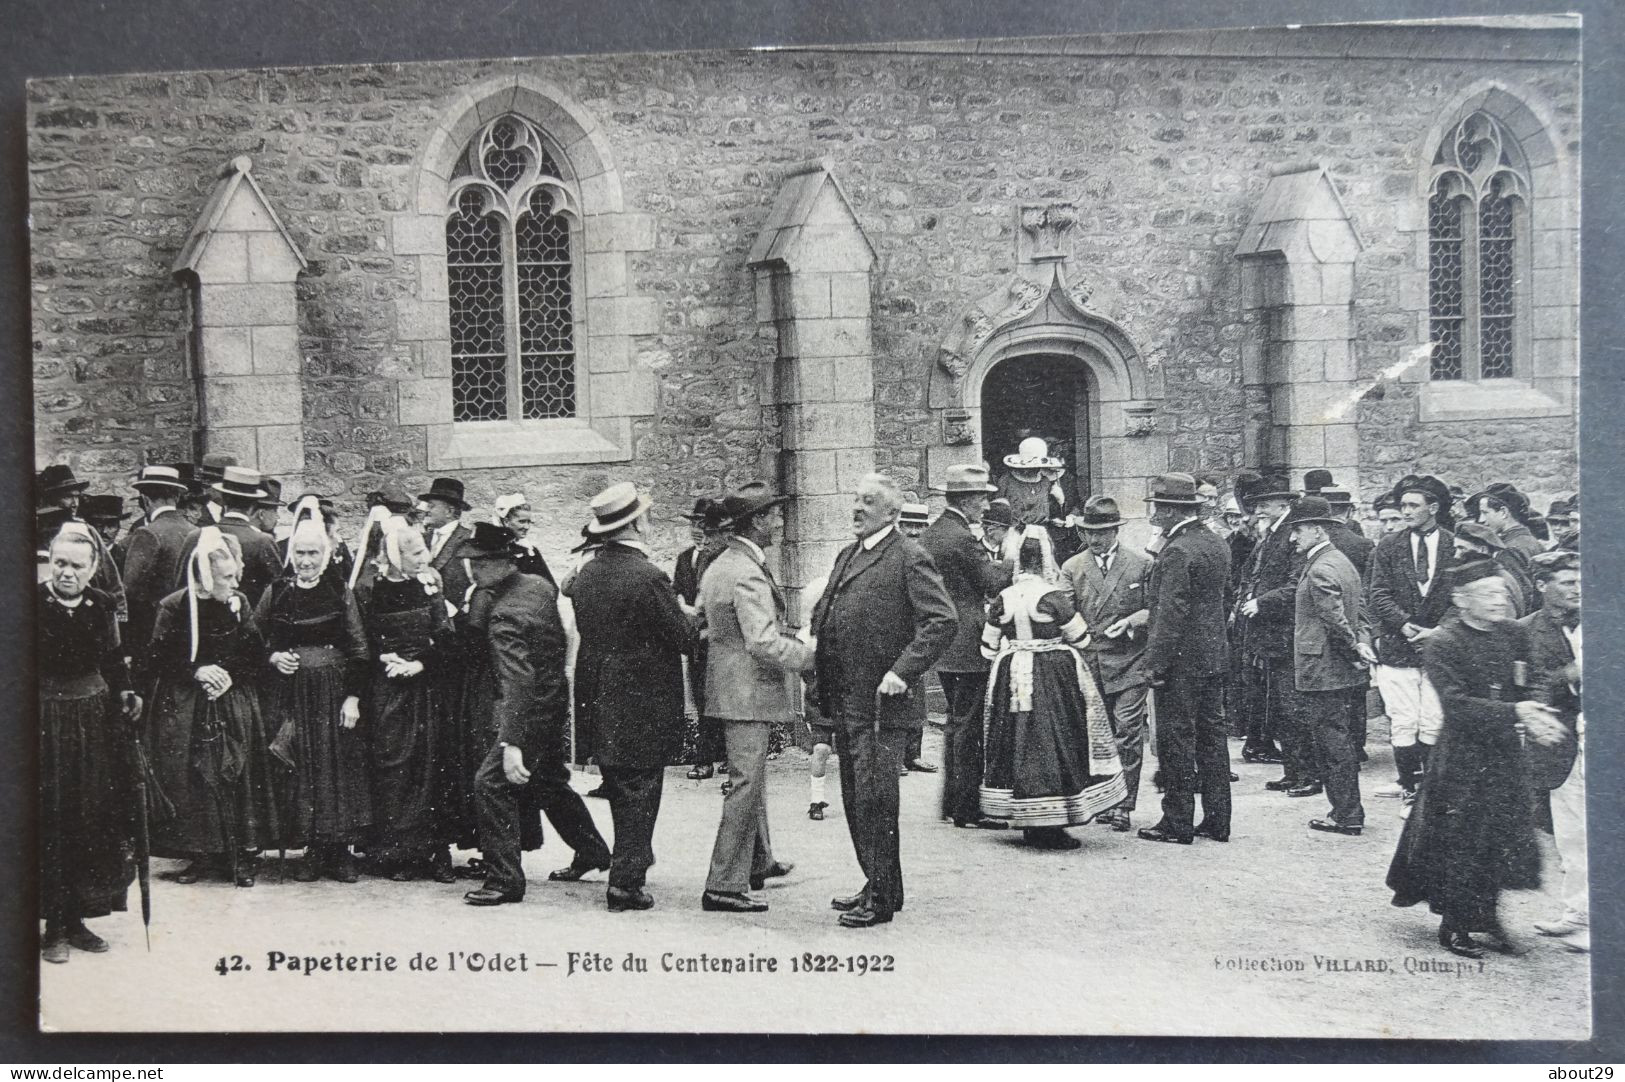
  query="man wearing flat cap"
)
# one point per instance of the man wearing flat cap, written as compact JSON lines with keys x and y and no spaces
{"x":752,"y":656}
{"x":629,"y":680}
{"x":1108,"y":584}
{"x":1185,"y":662}
{"x":971,"y":580}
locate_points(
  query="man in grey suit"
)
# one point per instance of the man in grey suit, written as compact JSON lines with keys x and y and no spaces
{"x":971,"y":578}
{"x":1327,"y":659}
{"x":1108,"y":584}
{"x":751,"y":659}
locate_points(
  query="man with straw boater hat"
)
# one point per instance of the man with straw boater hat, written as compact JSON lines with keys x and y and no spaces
{"x":972,"y":579}
{"x":751,"y":659}
{"x":629,"y":680}
{"x":1108,"y":585}
{"x":241,"y":493}
{"x":155,"y":549}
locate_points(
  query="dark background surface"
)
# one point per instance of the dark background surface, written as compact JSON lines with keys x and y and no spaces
{"x":86,"y":37}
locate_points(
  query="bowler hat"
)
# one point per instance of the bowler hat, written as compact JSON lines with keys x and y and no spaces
{"x":1273,"y":484}
{"x":448,"y":489}
{"x":273,"y":492}
{"x":1310,"y":511}
{"x":1315,"y":480}
{"x":1337,"y":497}
{"x":240,"y":482}
{"x":999,"y":513}
{"x":489,"y":540}
{"x":964,"y":478}
{"x":750,"y":498}
{"x":58,"y":480}
{"x":1244,"y":484}
{"x":1099,"y":513}
{"x":160,"y":481}
{"x":103,"y":509}
{"x":213,"y":467}
{"x":1480,"y":534}
{"x":1560,"y":508}
{"x":1178,"y":489}
{"x":618,"y":505}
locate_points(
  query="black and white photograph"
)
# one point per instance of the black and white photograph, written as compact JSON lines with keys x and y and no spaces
{"x":1065,"y":535}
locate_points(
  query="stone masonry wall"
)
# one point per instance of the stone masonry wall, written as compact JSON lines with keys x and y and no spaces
{"x":1164,"y":157}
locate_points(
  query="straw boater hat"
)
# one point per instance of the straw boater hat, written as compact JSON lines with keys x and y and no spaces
{"x":1310,"y":511}
{"x":58,"y":480}
{"x":1032,"y":454}
{"x":1178,"y":489}
{"x":914,"y":514}
{"x":103,"y":509}
{"x":241,"y":483}
{"x":448,"y":489}
{"x":160,"y":481}
{"x":617,"y":506}
{"x":1100,"y":513}
{"x":959,"y":479}
{"x":751,"y":498}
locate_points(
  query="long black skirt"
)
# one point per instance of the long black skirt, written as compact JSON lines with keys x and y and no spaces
{"x":326,"y":797}
{"x":403,"y":718}
{"x":87,"y":806}
{"x":211,"y":770}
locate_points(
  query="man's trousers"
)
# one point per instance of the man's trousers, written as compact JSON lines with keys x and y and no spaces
{"x":1127,"y":710}
{"x":1192,"y":749}
{"x":1569,"y":832}
{"x":634,"y":804}
{"x":501,"y":804}
{"x":962,"y":744}
{"x":1415,"y":719}
{"x":743,"y":846}
{"x":869,"y":764}
{"x":1289,"y":717}
{"x":1331,"y":716}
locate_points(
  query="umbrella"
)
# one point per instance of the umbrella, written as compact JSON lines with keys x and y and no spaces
{"x":284,"y":748}
{"x":150,"y":800}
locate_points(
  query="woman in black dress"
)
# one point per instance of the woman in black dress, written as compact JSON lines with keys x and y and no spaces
{"x":86,"y":699}
{"x":405,"y":616}
{"x":206,"y":737}
{"x":514,"y":512}
{"x":319,"y":667}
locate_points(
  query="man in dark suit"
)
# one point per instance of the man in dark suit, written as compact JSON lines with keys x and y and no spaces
{"x":516,"y":618}
{"x":971,"y":578}
{"x":155,"y":550}
{"x":1108,"y":584}
{"x":1185,"y":660}
{"x":883,"y":620}
{"x":1407,"y":595}
{"x":1266,"y":605}
{"x":1327,"y":660}
{"x":1246,"y":693}
{"x":443,"y":529}
{"x":705,"y":530}
{"x":240,"y":492}
{"x":629,"y":680}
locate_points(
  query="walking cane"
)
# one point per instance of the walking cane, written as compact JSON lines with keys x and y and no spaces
{"x":143,"y":843}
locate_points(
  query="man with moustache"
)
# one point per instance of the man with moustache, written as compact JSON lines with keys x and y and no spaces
{"x":883,"y":620}
{"x":1267,"y":600}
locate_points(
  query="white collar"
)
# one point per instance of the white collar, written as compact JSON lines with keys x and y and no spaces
{"x":877,"y":537}
{"x":236,"y":515}
{"x":442,"y":531}
{"x":156,"y":511}
{"x":1310,"y":554}
{"x":1109,"y":553}
{"x":753,"y":548}
{"x":1181,"y":524}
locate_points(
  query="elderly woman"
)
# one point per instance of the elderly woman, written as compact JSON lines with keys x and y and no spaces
{"x":205,"y":736}
{"x":514,"y":512}
{"x":404,"y":613}
{"x":1051,"y":759}
{"x":85,"y":691}
{"x":320,"y":666}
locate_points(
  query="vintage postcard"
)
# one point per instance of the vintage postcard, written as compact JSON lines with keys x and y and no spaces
{"x":1067,"y":535}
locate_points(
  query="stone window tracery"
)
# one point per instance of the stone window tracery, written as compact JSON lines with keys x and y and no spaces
{"x":511,"y":273}
{"x":1478,"y":256}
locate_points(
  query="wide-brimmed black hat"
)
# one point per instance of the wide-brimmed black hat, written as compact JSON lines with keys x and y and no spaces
{"x":1099,"y":513}
{"x":1178,"y":489}
{"x":103,"y":509}
{"x":448,"y":489}
{"x":189,"y":477}
{"x":749,"y":499}
{"x":489,"y":540}
{"x":58,"y":480}
{"x":1310,"y":511}
{"x":240,"y":482}
{"x":393,"y":495}
{"x":707,"y":514}
{"x":1273,"y":484}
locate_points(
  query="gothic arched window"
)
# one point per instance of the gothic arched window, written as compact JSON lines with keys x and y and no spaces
{"x":511,"y":278}
{"x":1478,"y":253}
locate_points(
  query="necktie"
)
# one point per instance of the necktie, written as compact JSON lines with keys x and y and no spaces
{"x":1105,"y":563}
{"x":1423,"y":572}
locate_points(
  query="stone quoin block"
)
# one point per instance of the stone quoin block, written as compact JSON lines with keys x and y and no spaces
{"x":276,"y":351}
{"x":424,"y":401}
{"x":269,"y":258}
{"x":421,"y":320}
{"x":606,"y":274}
{"x":810,"y":472}
{"x":226,"y":259}
{"x":233,"y":401}
{"x":833,"y":337}
{"x":245,"y":305}
{"x":619,"y":232}
{"x":225,"y":351}
{"x":626,"y":315}
{"x":436,"y":358}
{"x":242,"y":443}
{"x":419,"y":234}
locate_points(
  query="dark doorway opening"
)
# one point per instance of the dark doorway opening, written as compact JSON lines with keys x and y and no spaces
{"x":1040,"y":395}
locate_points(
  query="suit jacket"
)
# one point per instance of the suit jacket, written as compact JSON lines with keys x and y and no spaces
{"x":752,"y":657}
{"x":1326,"y":624}
{"x":261,"y":563}
{"x":883,"y":610}
{"x":971,"y":579}
{"x":687,"y":572}
{"x":448,"y":551}
{"x":1102,"y":600}
{"x":519,"y":619}
{"x":1353,"y":544}
{"x":1393,"y":598}
{"x":629,"y":667}
{"x":1551,"y":682}
{"x":154,"y":569}
{"x":1273,"y":583}
{"x":1186,"y":635}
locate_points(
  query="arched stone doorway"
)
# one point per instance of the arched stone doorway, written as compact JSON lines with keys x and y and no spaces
{"x":1045,"y":395}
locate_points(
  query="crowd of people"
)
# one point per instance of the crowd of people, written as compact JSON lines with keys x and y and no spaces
{"x":230,"y":678}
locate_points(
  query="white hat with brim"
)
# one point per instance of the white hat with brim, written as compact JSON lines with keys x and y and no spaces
{"x":1033,"y":454}
{"x":968,"y":478}
{"x":617,"y":506}
{"x":160,"y":480}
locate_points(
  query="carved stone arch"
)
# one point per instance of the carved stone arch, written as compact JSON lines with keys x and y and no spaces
{"x":1529,"y":121}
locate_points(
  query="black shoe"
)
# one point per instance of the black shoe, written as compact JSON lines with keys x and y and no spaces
{"x":719,"y":901}
{"x":1459,"y":942}
{"x":1234,"y":777}
{"x":54,"y":950}
{"x":777,"y":870}
{"x":1212,"y":833}
{"x":1051,"y":839}
{"x":440,"y":869}
{"x":1162,"y":834}
{"x":848,"y":903}
{"x":491,"y":896}
{"x":1281,"y":785}
{"x":620,"y":900}
{"x":244,"y":877}
{"x":83,"y":939}
{"x":1249,"y":755}
{"x":342,"y":870}
{"x":815,"y":810}
{"x":982,"y":824}
{"x":922,"y":767}
{"x":307,"y":870}
{"x":575,"y":872}
{"x":1312,"y":789}
{"x":1117,"y":819}
{"x":863,"y":918}
{"x":1332,"y":826}
{"x":402,"y":874}
{"x":602,"y":792}
{"x":702,"y":772}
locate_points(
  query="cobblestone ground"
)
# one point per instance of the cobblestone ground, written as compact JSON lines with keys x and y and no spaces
{"x":1282,"y":931}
